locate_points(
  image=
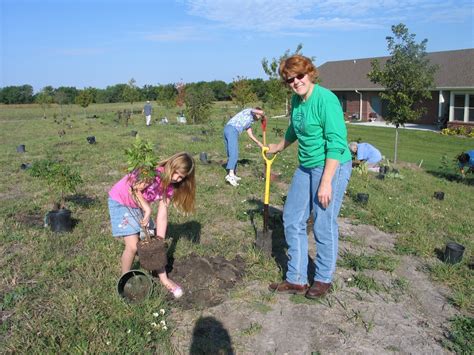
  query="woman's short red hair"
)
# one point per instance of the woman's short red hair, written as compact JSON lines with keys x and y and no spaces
{"x":298,"y":64}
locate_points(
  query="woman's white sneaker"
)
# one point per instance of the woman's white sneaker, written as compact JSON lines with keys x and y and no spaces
{"x":231,"y":180}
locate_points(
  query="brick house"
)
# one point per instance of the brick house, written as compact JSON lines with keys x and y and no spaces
{"x":452,"y":97}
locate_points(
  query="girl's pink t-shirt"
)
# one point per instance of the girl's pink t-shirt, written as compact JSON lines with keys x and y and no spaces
{"x":121,"y":191}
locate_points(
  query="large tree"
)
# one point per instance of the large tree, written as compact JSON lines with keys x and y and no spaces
{"x":407,"y":77}
{"x":16,"y":94}
{"x":166,"y":95}
{"x":198,"y":100}
{"x":242,"y":92}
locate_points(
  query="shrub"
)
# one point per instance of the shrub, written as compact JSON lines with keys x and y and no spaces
{"x":60,"y":177}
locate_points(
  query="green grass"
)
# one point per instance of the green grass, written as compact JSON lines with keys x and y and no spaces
{"x":461,"y":336}
{"x":365,"y":283}
{"x":414,"y":146}
{"x":365,"y":262}
{"x":57,"y":291}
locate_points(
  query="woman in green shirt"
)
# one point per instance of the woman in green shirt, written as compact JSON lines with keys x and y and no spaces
{"x":319,"y":182}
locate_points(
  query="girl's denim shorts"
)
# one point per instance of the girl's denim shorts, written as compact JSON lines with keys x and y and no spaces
{"x":125,"y":220}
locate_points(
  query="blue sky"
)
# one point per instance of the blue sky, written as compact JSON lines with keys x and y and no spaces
{"x":98,"y":43}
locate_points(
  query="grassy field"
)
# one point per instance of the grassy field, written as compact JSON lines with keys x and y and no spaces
{"x":58,"y":290}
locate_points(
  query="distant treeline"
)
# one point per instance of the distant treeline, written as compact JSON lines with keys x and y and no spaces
{"x":220,"y":90}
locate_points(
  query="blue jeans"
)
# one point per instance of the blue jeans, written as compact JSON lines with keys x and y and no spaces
{"x":302,"y":198}
{"x":231,"y":141}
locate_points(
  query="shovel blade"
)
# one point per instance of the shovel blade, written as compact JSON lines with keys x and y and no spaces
{"x":264,"y":242}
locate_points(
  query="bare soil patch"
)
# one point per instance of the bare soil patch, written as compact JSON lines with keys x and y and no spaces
{"x":30,"y":220}
{"x":206,"y":281}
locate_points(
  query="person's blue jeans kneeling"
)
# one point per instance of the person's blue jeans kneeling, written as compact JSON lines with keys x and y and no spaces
{"x":302,"y":198}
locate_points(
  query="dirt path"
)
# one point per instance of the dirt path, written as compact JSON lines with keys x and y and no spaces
{"x":412,"y":319}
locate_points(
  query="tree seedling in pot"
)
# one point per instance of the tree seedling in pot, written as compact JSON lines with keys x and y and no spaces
{"x":61,"y":179}
{"x":142,"y":163}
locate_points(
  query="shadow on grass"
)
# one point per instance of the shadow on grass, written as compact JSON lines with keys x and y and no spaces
{"x":275,"y":226}
{"x":190,"y":230}
{"x":82,"y":200}
{"x":241,"y":162}
{"x":279,"y":246}
{"x":439,"y":253}
{"x":468,"y":180}
{"x":210,"y":337}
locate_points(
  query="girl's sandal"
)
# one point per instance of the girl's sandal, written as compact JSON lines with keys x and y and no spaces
{"x":175,"y":290}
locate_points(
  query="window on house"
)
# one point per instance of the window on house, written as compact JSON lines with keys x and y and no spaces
{"x":459,"y":107}
{"x":471,"y":108}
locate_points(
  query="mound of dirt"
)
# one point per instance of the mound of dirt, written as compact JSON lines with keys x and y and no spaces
{"x":206,"y":281}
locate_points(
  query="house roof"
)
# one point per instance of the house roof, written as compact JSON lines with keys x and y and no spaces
{"x":456,"y":71}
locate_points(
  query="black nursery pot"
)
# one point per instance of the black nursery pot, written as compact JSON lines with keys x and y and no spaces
{"x":203,"y":158}
{"x":453,"y":253}
{"x":384,"y":169}
{"x":20,"y":148}
{"x":362,"y":198}
{"x":439,"y":195}
{"x":60,"y":220}
{"x":133,"y":133}
{"x":91,"y":139}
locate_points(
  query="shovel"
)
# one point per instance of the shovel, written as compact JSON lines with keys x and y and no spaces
{"x":264,"y":238}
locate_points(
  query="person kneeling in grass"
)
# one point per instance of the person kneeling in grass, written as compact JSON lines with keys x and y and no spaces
{"x":367,"y":153}
{"x":466,"y":160}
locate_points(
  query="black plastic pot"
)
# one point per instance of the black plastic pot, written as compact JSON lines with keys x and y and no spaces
{"x":91,"y":140}
{"x":384,"y":169}
{"x":203,"y":158}
{"x":20,"y":148}
{"x":133,"y":133}
{"x":60,"y":220}
{"x":135,"y":286}
{"x":25,"y":166}
{"x":439,"y":195}
{"x":453,"y":253}
{"x":362,"y":198}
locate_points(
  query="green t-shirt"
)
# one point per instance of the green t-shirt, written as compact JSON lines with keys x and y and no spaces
{"x":318,"y":125}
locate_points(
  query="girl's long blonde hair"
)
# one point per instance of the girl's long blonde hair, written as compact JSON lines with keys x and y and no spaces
{"x":184,"y":192}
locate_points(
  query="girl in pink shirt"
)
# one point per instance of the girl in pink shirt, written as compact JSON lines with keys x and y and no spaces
{"x":130,"y":206}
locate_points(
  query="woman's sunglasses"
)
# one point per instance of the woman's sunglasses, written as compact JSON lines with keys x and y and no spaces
{"x":299,"y":77}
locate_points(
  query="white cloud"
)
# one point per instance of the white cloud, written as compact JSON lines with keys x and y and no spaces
{"x":290,"y":16}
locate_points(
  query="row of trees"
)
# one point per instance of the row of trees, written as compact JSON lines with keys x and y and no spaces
{"x":219,"y":90}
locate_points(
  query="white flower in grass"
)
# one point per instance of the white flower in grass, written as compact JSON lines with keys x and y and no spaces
{"x":162,"y":311}
{"x":163,"y":323}
{"x":129,"y":331}
{"x":154,"y":324}
{"x":107,"y":342}
{"x":148,"y":333}
{"x":155,"y":314}
{"x":165,"y":327}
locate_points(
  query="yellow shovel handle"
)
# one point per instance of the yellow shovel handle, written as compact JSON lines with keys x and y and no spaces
{"x":268,"y":164}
